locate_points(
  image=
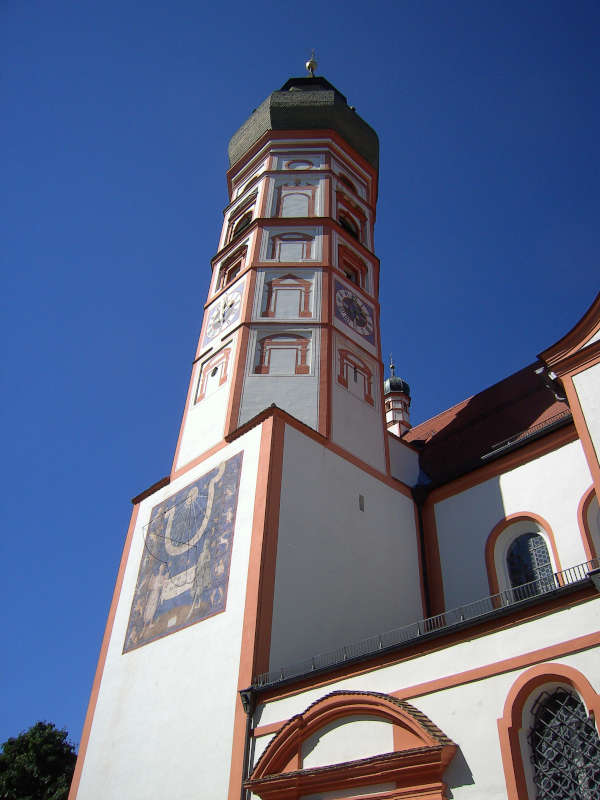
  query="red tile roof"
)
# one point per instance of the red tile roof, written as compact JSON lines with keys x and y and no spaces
{"x":455,"y":441}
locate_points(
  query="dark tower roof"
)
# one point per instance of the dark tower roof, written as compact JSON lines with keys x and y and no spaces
{"x":394,"y":384}
{"x":306,"y":104}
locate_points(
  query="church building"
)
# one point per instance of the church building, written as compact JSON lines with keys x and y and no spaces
{"x":320,"y":601}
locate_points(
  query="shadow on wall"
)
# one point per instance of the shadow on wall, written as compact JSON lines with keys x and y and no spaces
{"x":458,"y":774}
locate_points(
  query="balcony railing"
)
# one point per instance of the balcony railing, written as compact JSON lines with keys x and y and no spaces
{"x":456,"y":617}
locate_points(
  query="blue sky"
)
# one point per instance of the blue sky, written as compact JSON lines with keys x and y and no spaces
{"x":116,"y":117}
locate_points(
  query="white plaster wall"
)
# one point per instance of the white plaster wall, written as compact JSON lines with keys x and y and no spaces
{"x":468,"y":712}
{"x":404,"y":461}
{"x":205,"y":421}
{"x":550,"y":486}
{"x":296,"y":394}
{"x":356,"y":425}
{"x":342,"y":574}
{"x":164,"y":718}
{"x":587,"y":386}
{"x":348,"y":739}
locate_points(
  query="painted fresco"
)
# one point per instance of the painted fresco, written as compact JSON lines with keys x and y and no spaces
{"x":184,"y":570}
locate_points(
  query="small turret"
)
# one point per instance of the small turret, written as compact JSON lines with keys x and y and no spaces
{"x":396,"y":395}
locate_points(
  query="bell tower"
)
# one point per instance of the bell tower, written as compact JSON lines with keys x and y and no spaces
{"x":292,"y":317}
{"x":280,"y":512}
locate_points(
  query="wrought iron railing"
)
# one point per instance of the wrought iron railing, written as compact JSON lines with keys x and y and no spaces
{"x":465,"y":614}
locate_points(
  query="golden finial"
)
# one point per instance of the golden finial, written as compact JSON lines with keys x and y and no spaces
{"x":311,"y":64}
{"x":392,"y":367}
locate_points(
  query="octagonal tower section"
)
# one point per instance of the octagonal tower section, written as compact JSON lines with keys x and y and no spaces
{"x":292,"y":315}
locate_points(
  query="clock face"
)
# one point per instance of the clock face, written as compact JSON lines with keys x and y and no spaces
{"x":354,"y":312}
{"x":224,"y":312}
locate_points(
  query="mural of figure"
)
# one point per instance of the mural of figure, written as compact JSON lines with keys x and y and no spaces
{"x":184,"y":568}
{"x":202,"y":576}
{"x":155,"y":587}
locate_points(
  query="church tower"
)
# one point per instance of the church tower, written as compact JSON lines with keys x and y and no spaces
{"x":285,"y":506}
{"x":292,"y":317}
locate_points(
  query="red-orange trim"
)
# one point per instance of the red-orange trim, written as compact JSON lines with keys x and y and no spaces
{"x":435,"y":575}
{"x":529,"y":452}
{"x":525,"y":660}
{"x":584,"y":528}
{"x":510,"y":723}
{"x":424,"y":648}
{"x":273,"y":410}
{"x":256,"y":628}
{"x":194,"y":463}
{"x":324,"y":383}
{"x":348,"y":360}
{"x":490,"y":545}
{"x":283,"y":341}
{"x":288,"y":282}
{"x":421,"y":557}
{"x":580,"y":333}
{"x":417,"y":766}
{"x":188,"y":402}
{"x":87,"y":725}
{"x":221,"y":358}
{"x":315,"y":136}
{"x":583,"y":430}
{"x":239,"y":370}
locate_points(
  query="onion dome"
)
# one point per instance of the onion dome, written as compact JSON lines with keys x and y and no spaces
{"x":395,"y":384}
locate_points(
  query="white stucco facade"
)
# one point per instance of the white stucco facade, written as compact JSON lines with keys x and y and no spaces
{"x":464,"y":521}
{"x":332,"y":556}
{"x":155,"y":733}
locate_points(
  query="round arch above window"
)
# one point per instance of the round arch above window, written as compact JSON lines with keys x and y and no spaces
{"x":521,"y":552}
{"x":543,"y":703}
{"x":403,"y":747}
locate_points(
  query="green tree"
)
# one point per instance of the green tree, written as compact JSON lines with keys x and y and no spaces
{"x":37,"y":764}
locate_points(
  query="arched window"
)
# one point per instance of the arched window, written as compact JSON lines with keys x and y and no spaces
{"x":521,"y":557}
{"x":353,"y":267}
{"x":565,"y":748}
{"x":589,"y":525}
{"x":231,"y":268}
{"x":347,"y":182}
{"x":547,"y":731}
{"x":529,"y":566}
{"x":349,"y":225}
{"x":241,"y":225}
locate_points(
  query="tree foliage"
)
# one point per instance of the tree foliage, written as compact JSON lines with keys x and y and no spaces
{"x":37,"y":765}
